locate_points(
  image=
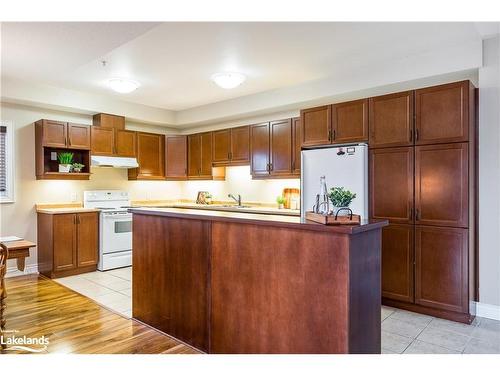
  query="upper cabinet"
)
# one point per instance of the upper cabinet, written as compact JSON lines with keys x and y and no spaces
{"x":443,"y":113}
{"x":109,"y":121}
{"x":65,"y":135}
{"x":78,"y":136}
{"x":176,"y":158}
{"x":150,"y":157}
{"x":200,"y":157}
{"x":350,"y":122}
{"x":102,"y":141}
{"x":125,"y":142}
{"x":391,"y":120}
{"x":296,"y":144}
{"x":259,"y":146}
{"x":231,"y":146}
{"x":316,"y":125}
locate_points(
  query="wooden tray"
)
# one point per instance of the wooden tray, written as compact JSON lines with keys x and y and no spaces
{"x":330,"y":219}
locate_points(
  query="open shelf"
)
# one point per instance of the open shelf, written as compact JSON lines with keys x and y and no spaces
{"x":63,"y":176}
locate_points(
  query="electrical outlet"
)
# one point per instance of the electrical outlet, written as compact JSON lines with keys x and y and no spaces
{"x":74,"y":196}
{"x":53,"y":155}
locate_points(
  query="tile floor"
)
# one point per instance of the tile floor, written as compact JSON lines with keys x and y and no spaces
{"x":402,"y":331}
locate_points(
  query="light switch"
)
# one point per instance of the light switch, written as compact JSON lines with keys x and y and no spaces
{"x":74,"y":196}
{"x":53,"y":155}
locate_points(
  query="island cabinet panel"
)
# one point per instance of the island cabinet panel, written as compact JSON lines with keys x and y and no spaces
{"x":125,"y":143}
{"x":391,"y":184}
{"x":259,"y":149}
{"x":441,"y":266}
{"x":316,"y":126}
{"x":443,"y":113}
{"x":170,"y":288}
{"x":176,"y":158}
{"x":54,"y":133}
{"x":391,"y":120}
{"x":397,"y":262}
{"x":102,"y":141}
{"x":79,"y":136}
{"x":297,"y":145}
{"x":150,"y":157}
{"x":350,"y":121}
{"x":281,"y":147}
{"x":442,"y":185}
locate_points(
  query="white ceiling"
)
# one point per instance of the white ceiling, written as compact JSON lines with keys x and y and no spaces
{"x":174,"y":61}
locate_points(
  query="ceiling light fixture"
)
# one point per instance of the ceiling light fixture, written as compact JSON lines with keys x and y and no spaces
{"x":228,"y":80}
{"x":122,"y":85}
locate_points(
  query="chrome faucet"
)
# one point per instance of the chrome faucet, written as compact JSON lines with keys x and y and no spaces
{"x":237,"y":200}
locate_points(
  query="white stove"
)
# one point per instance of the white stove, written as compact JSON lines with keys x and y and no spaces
{"x":115,"y":227}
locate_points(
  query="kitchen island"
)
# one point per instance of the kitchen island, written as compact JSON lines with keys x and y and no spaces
{"x":226,"y":282}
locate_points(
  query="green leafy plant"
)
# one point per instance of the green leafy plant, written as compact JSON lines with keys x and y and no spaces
{"x":77,"y":167}
{"x":341,"y":197}
{"x":65,"y":157}
{"x":280,"y":199}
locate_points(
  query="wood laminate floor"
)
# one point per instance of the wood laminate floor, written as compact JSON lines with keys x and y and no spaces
{"x":73,"y":323}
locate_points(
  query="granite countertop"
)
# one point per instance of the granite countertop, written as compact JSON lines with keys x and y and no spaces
{"x":259,"y":219}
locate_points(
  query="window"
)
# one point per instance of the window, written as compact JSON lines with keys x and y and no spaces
{"x":6,"y":162}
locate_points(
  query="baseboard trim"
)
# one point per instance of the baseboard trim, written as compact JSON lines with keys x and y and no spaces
{"x":485,"y":310}
{"x":29,"y":269}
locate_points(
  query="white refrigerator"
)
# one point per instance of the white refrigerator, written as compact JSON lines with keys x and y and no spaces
{"x":343,"y":166}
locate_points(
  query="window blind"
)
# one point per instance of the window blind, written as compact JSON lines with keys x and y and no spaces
{"x":3,"y":159}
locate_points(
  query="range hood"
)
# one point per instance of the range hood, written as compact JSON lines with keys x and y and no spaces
{"x":114,"y":162}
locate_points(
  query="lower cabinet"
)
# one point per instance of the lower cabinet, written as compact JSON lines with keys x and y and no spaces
{"x":398,"y":262}
{"x":67,"y":243}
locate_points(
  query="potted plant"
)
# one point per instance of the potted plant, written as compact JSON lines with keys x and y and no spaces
{"x":340,"y":198}
{"x":77,"y":167}
{"x":65,"y":159}
{"x":281,"y":201}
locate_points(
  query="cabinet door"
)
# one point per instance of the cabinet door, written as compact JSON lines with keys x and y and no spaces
{"x":79,"y":136}
{"x":64,"y":237}
{"x":109,"y":121}
{"x":441,"y":185}
{"x":391,"y":120}
{"x":316,"y":125}
{"x":176,"y":157}
{"x":350,"y":121}
{"x":391,"y":184}
{"x":398,"y":262}
{"x":87,"y":239}
{"x":281,"y":147}
{"x":194,"y":155}
{"x":206,"y":155}
{"x":240,"y":145}
{"x":151,"y":155}
{"x":221,"y":146}
{"x":125,"y":143}
{"x":442,"y":114}
{"x":441,"y":268}
{"x":54,"y":133}
{"x":102,"y":141}
{"x":296,"y":144}
{"x":259,"y":143}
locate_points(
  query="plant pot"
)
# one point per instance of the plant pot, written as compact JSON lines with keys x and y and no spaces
{"x":280,"y":206}
{"x":64,"y":168}
{"x":335,"y":210}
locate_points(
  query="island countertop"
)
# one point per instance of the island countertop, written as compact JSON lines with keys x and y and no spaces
{"x":259,"y":219}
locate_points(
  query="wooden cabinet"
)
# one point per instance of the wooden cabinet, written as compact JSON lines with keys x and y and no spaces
{"x":200,"y":156}
{"x":350,"y":122}
{"x":441,"y":268}
{"x":391,"y":184}
{"x":231,"y":146}
{"x":316,"y":125}
{"x":67,"y":243}
{"x":442,"y":185}
{"x":54,"y":133}
{"x":391,"y":120}
{"x":260,"y":145}
{"x":125,"y":142}
{"x":443,"y":113}
{"x":102,"y":141}
{"x":79,"y":136}
{"x":297,"y":146}
{"x":176,"y":158}
{"x":108,"y":121}
{"x":398,"y":262}
{"x":150,"y":157}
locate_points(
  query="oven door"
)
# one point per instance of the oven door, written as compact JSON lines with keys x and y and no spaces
{"x":116,"y":232}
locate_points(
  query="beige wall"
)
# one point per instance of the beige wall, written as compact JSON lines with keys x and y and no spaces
{"x":19,"y":218}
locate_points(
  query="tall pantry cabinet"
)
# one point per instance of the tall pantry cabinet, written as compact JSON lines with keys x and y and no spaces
{"x":422,"y":179}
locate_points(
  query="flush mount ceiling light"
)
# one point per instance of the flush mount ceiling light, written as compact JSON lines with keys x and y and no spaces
{"x":122,"y":85}
{"x":228,"y":80}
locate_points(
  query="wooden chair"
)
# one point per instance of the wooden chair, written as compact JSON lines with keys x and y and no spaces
{"x":3,"y":293}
